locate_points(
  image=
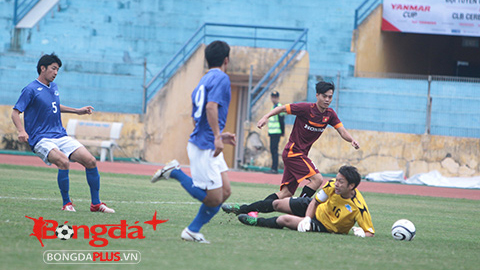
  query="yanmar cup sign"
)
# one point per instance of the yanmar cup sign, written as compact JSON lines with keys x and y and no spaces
{"x":439,"y":17}
{"x":99,"y":236}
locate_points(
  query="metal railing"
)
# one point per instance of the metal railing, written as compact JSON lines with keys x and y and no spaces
{"x":258,"y":91}
{"x":405,"y":76}
{"x":406,"y":103}
{"x":362,"y":12}
{"x":245,"y":35}
{"x":21,"y":8}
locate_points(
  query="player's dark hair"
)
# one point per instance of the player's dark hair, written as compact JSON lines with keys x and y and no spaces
{"x":46,"y":60}
{"x":323,"y":87}
{"x":216,"y":52}
{"x":351,"y":174}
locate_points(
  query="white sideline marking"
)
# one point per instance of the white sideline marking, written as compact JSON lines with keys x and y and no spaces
{"x":83,"y":200}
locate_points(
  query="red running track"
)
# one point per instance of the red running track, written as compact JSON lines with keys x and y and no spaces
{"x":254,"y":177}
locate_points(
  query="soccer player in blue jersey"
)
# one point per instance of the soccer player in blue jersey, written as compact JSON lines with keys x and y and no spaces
{"x":209,"y":183}
{"x":43,"y":130}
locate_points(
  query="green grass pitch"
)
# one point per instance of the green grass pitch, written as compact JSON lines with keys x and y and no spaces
{"x":448,"y":230}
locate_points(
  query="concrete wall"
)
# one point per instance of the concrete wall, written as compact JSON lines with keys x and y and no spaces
{"x":384,"y":151}
{"x":368,"y":46}
{"x":380,"y":151}
{"x":168,"y":122}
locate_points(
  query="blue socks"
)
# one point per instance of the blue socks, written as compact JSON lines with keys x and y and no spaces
{"x":187,"y":184}
{"x":93,"y":179}
{"x":205,"y":214}
{"x":64,"y":185}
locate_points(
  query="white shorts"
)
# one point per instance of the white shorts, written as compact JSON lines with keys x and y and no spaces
{"x":66,"y":145}
{"x":206,"y":169}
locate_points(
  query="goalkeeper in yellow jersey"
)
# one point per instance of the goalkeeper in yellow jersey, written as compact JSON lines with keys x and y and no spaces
{"x":334,"y":209}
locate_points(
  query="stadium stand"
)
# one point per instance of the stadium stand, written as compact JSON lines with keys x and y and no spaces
{"x":104,"y":45}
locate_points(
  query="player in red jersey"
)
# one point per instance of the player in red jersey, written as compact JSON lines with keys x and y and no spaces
{"x":311,"y":120}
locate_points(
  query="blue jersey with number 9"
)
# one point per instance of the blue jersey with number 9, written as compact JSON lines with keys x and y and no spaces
{"x":41,"y":107}
{"x":213,"y":87}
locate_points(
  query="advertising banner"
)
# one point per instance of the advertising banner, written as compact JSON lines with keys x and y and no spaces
{"x":439,"y":17}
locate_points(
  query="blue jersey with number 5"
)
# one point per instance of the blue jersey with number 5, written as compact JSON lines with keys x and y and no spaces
{"x":213,"y":87}
{"x":41,"y":107}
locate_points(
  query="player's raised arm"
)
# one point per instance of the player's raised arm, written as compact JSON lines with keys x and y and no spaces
{"x":83,"y":110}
{"x":263,"y":121}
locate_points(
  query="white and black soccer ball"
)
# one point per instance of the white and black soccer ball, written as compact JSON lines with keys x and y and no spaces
{"x":403,"y":229}
{"x":64,"y":232}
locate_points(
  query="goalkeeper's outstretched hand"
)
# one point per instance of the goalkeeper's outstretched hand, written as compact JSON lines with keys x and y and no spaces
{"x":357,"y":231}
{"x":305,"y":225}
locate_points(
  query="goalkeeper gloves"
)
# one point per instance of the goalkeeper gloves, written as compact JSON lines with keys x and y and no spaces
{"x":305,"y":225}
{"x":357,"y":231}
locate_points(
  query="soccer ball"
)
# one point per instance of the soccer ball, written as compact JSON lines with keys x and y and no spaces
{"x":403,"y":229}
{"x":64,"y":232}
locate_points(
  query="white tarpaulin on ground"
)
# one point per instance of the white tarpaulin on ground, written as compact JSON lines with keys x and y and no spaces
{"x":387,"y":176}
{"x":433,"y":178}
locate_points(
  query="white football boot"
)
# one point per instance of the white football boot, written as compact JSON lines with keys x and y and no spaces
{"x":188,"y":235}
{"x":68,"y":207}
{"x":101,"y":207}
{"x":164,"y":173}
